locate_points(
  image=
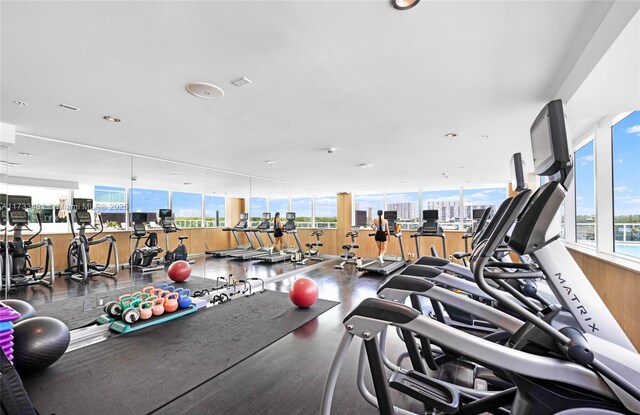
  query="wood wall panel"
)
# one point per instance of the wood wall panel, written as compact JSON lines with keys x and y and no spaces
{"x":618,"y":287}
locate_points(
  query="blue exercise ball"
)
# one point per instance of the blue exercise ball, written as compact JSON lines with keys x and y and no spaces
{"x":38,"y":343}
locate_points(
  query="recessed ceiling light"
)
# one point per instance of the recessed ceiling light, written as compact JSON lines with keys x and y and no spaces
{"x":451,"y":135}
{"x":111,"y":118}
{"x":21,"y":104}
{"x":404,"y":4}
{"x":404,"y":183}
{"x":174,"y":174}
{"x":70,"y":107}
{"x":485,"y":137}
{"x":331,"y":150}
{"x":270,"y":162}
{"x":25,"y":154}
{"x":205,"y":90}
{"x":461,"y":167}
{"x":187,"y":184}
{"x":241,"y":82}
{"x":365,"y":165}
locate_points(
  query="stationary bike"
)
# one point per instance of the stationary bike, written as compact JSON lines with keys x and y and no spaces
{"x":141,"y":258}
{"x":313,"y":248}
{"x":79,"y":263}
{"x":349,"y":256}
{"x":168,"y":224}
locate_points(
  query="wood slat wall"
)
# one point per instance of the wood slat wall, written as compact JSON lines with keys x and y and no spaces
{"x":618,"y":287}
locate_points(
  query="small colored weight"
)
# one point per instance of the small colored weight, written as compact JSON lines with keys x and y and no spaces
{"x":148,"y":289}
{"x":145,"y":310}
{"x":184,"y":301}
{"x":171,"y":302}
{"x":158,"y":306}
{"x":140,"y":296}
{"x":131,"y":314}
{"x":162,"y":286}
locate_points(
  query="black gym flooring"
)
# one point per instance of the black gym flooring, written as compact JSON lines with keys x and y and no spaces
{"x":287,"y":376}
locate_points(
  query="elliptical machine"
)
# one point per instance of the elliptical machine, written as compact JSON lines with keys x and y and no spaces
{"x":141,"y":258}
{"x":168,"y":224}
{"x":79,"y":264}
{"x":19,"y":271}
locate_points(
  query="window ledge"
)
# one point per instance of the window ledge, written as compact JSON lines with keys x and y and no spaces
{"x":622,"y":261}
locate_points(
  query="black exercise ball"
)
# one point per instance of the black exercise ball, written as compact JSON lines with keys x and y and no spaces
{"x":25,"y":309}
{"x":38,"y":343}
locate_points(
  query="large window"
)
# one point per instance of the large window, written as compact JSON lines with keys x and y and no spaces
{"x":111,"y":202}
{"x":302,"y":207}
{"x":447,"y":202}
{"x":257,"y":206}
{"x":187,"y":209}
{"x":369,"y":203}
{"x":213,"y":211}
{"x":407,"y":206}
{"x":149,"y":201}
{"x":585,"y":195}
{"x":326,"y":212}
{"x":481,"y":199}
{"x":626,"y":188}
{"x":278,"y":205}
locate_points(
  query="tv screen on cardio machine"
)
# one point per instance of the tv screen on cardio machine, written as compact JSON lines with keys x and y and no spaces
{"x":391,"y":216}
{"x":291,"y":216}
{"x":430,"y":215}
{"x":164,"y":213}
{"x":82,"y":204}
{"x":477,"y":214}
{"x":139,"y":217}
{"x":18,"y":202}
{"x":518,"y":181}
{"x":266,"y":216}
{"x":361,"y":218}
{"x":549,"y":140}
{"x":244,"y":216}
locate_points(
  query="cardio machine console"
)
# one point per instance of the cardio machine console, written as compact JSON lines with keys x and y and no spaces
{"x":18,"y":217}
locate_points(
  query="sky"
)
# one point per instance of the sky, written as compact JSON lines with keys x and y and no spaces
{"x":585,"y":177}
{"x":146,"y":200}
{"x":626,"y":170}
{"x":213,"y":204}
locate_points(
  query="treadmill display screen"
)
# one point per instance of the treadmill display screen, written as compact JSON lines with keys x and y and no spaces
{"x":164,"y":213}
{"x":361,"y":218}
{"x":391,"y":216}
{"x":266,"y":216}
{"x":244,"y":216}
{"x":291,"y":216}
{"x":430,"y":215}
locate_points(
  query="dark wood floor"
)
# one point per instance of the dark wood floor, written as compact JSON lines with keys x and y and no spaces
{"x":288,"y":376}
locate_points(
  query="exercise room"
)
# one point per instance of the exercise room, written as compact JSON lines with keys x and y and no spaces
{"x":320,"y":207}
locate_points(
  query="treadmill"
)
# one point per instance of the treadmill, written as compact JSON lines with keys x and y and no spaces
{"x":240,"y":227}
{"x":391,"y":262}
{"x":290,"y":228}
{"x":430,"y":228}
{"x":263,"y":250}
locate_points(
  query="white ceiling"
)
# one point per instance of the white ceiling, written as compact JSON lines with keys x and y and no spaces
{"x":382,"y":86}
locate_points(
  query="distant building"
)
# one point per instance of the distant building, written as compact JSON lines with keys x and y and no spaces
{"x":406,"y":210}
